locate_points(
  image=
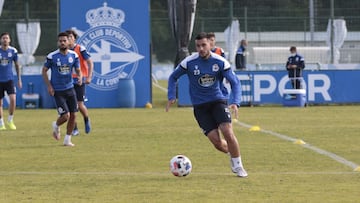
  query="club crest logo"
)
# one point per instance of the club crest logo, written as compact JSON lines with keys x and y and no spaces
{"x":112,"y":49}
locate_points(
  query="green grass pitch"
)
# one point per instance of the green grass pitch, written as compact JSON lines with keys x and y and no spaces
{"x":126,"y":157}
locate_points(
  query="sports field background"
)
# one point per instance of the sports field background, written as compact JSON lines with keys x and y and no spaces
{"x":126,"y":157}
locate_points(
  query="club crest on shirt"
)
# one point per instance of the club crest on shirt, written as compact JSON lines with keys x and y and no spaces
{"x":207,"y":80}
{"x":215,"y":68}
{"x":71,"y":60}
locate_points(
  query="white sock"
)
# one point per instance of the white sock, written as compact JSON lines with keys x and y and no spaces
{"x":237,"y":163}
{"x":67,"y":139}
{"x":10,"y":117}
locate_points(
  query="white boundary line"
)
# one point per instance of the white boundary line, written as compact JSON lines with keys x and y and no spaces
{"x":160,"y":87}
{"x":331,"y":155}
{"x":118,"y":173}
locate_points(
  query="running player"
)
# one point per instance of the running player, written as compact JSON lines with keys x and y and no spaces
{"x":206,"y":71}
{"x":62,"y":62}
{"x":86,"y":66}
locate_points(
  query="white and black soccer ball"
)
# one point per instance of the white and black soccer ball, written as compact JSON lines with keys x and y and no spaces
{"x":180,"y":166}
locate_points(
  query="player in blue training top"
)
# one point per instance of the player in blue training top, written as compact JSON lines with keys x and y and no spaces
{"x":62,"y":62}
{"x":8,"y":55}
{"x":206,"y":71}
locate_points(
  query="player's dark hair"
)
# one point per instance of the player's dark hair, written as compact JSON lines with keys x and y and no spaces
{"x":4,"y":33}
{"x":292,"y":48}
{"x":63,"y":34}
{"x":210,"y":35}
{"x":201,"y":35}
{"x":72,"y":32}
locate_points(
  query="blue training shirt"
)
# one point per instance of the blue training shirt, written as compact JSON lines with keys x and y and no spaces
{"x":205,"y":79}
{"x":61,"y":69}
{"x":7,"y":57}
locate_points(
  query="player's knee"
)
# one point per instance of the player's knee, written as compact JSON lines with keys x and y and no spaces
{"x":65,"y":116}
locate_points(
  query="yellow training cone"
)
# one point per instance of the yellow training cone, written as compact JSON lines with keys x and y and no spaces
{"x":254,"y":128}
{"x":357,"y":169}
{"x":148,"y":105}
{"x":299,"y":142}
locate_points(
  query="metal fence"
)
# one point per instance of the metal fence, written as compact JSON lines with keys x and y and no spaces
{"x":280,"y":27}
{"x":263,"y":23}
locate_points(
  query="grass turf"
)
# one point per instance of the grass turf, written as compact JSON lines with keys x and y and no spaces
{"x":126,"y":156}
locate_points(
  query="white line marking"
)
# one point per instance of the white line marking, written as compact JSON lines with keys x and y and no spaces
{"x":160,"y":87}
{"x":337,"y":158}
{"x":118,"y":173}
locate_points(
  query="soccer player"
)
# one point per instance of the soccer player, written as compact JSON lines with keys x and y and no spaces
{"x":8,"y":55}
{"x":213,"y":47}
{"x":206,"y":71}
{"x":62,"y":62}
{"x":86,"y":67}
{"x":219,"y":51}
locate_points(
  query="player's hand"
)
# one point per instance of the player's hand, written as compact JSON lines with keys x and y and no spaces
{"x":88,"y":80}
{"x":79,"y":81}
{"x":51,"y":90}
{"x":19,"y":84}
{"x":169,"y":103}
{"x":234,"y":110}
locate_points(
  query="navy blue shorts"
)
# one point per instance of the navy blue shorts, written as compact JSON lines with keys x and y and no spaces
{"x":80,"y":91}
{"x":8,"y":86}
{"x":66,"y":101}
{"x":210,"y":115}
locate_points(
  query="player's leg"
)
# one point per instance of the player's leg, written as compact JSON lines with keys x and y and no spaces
{"x":63,"y":113}
{"x":209,"y":127}
{"x":84,"y":112}
{"x":2,"y":125}
{"x":80,"y":95}
{"x":72,"y":107}
{"x":79,"y":98}
{"x":10,"y":89}
{"x":219,"y":143}
{"x":12,"y":106}
{"x":234,"y":149}
{"x":222,"y":115}
{"x":231,"y":140}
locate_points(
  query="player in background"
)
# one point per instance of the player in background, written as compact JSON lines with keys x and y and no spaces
{"x":62,"y":62}
{"x":240,"y":57}
{"x":295,"y":65}
{"x":214,"y":48}
{"x":86,"y":66}
{"x":219,"y":51}
{"x":206,"y":72}
{"x":8,"y":55}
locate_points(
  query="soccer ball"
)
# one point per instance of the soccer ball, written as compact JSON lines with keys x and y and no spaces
{"x":180,"y":166}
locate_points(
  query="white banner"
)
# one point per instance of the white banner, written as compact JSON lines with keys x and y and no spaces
{"x":232,"y":36}
{"x":29,"y":37}
{"x":340,"y":32}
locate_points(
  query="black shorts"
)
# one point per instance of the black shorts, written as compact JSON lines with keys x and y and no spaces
{"x":8,"y":86}
{"x":66,"y":101}
{"x":80,"y":91}
{"x":210,"y":115}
